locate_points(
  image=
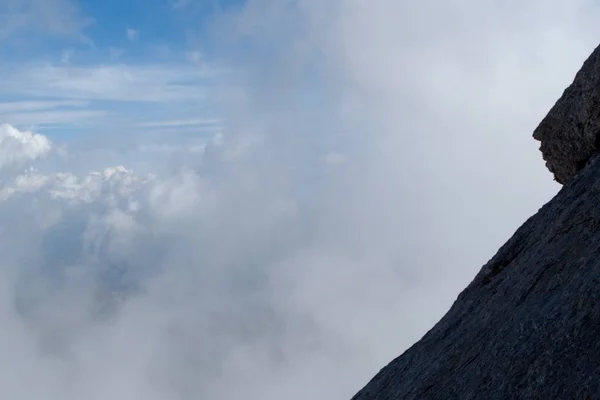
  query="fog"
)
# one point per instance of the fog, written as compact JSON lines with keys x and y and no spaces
{"x":377,"y":154}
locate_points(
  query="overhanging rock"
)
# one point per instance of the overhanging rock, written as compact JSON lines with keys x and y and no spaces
{"x":528,"y":325}
{"x":570,"y":133}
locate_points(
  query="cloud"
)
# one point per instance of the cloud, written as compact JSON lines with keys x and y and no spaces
{"x":173,"y":149}
{"x":433,"y":106}
{"x":66,"y":56}
{"x":91,"y":98}
{"x":179,"y":4}
{"x":142,"y":83}
{"x":374,"y":157}
{"x":20,"y":106}
{"x":76,"y":189}
{"x":208,"y":122}
{"x":56,"y":117}
{"x":17,"y":148}
{"x":49,"y":112}
{"x":114,"y":53}
{"x":45,"y":17}
{"x":195,"y":57}
{"x":132,"y":34}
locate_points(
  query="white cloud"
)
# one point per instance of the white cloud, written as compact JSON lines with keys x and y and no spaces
{"x":143,"y":83}
{"x":46,"y":17}
{"x":66,"y":56}
{"x":93,"y":187}
{"x":19,"y":106}
{"x":132,"y":34}
{"x":194,"y":57}
{"x":258,"y":267}
{"x":62,"y":117}
{"x":206,"y":122}
{"x":179,"y":4}
{"x":433,"y":105}
{"x":49,"y":112}
{"x":170,"y":148}
{"x":114,"y":53}
{"x":18,"y":148}
{"x":335,"y":158}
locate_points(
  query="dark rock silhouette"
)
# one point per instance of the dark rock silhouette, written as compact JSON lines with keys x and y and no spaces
{"x":528,"y":325}
{"x":570,"y":133}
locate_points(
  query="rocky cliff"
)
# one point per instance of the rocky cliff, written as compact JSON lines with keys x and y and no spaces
{"x":570,"y":133}
{"x":528,"y":325}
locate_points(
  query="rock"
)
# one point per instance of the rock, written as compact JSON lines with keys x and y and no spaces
{"x":528,"y":325}
{"x":570,"y":133}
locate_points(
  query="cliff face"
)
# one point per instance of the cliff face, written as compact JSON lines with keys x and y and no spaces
{"x":528,"y":325}
{"x":570,"y":133}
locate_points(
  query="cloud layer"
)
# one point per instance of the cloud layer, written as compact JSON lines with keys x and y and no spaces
{"x":375,"y":156}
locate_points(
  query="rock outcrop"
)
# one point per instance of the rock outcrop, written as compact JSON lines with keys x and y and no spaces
{"x":528,"y":325}
{"x":570,"y":133}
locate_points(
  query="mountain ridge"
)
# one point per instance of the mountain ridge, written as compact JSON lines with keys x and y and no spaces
{"x":527,"y":326}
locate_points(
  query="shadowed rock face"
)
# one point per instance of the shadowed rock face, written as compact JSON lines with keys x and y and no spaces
{"x":528,"y":325}
{"x":570,"y":133}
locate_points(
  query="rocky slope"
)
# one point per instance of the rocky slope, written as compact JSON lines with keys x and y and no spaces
{"x":528,"y":326}
{"x":570,"y":133}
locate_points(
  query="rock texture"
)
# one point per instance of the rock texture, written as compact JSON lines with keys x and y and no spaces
{"x":570,"y":133}
{"x":528,"y":325}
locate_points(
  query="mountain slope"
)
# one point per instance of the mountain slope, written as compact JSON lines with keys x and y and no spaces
{"x":528,"y":325}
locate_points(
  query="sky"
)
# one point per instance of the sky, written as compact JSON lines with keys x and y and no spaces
{"x":80,"y":68}
{"x":259,"y":199}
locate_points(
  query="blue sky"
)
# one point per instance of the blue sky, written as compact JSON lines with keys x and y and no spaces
{"x":354,"y":213}
{"x":69,"y":69}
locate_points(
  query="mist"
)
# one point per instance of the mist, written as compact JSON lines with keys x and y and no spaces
{"x":376,"y":155}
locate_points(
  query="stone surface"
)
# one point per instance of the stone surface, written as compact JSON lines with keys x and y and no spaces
{"x":528,"y":325}
{"x":570,"y":133}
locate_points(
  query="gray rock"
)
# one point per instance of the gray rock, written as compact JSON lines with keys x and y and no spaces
{"x":528,"y":325}
{"x":570,"y":133}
